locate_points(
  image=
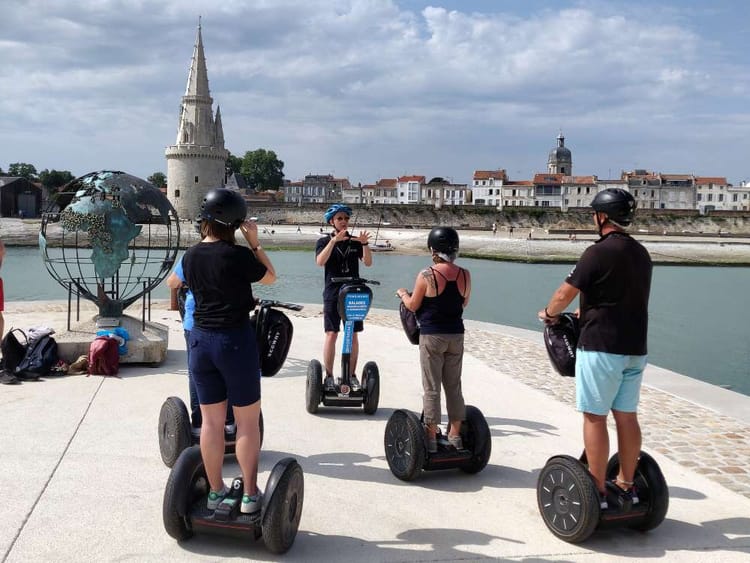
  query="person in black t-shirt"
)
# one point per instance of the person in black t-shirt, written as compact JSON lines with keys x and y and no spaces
{"x":223,"y":359}
{"x":613,"y":278}
{"x":340,"y":253}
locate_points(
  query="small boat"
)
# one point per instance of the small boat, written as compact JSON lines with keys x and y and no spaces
{"x":382,"y":246}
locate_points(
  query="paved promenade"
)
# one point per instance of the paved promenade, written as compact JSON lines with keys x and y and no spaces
{"x":82,"y":479}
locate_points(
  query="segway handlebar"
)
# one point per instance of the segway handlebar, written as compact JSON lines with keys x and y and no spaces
{"x":280,"y":304}
{"x":350,"y":279}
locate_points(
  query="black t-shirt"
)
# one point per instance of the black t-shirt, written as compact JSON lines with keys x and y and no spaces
{"x":343,"y":262}
{"x":219,"y":274}
{"x":614,"y":277}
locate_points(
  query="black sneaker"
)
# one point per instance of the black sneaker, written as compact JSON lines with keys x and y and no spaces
{"x":625,"y":499}
{"x":8,"y":378}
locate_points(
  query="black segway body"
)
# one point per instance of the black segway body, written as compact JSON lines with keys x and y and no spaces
{"x":176,"y":434}
{"x":406,"y":445}
{"x":185,"y":512}
{"x":569,"y":501}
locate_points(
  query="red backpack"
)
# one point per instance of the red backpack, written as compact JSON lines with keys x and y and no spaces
{"x":104,"y":357}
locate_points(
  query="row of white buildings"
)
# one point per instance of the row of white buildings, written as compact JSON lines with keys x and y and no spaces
{"x":557,"y":188}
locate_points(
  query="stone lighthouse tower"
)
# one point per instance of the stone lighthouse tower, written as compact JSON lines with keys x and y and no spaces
{"x":196,"y":162}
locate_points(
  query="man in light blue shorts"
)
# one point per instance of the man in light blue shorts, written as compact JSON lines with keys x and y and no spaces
{"x":613,"y":279}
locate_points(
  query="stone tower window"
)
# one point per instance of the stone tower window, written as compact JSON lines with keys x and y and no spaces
{"x":177,"y":193}
{"x":196,"y":179}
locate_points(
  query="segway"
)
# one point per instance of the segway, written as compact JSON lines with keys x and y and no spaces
{"x":274,"y":332}
{"x":355,"y":298}
{"x":406,"y":445}
{"x":569,"y":500}
{"x":185,"y":511}
{"x":566,"y":492}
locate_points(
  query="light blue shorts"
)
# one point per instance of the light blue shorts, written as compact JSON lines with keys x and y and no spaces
{"x":608,"y":381}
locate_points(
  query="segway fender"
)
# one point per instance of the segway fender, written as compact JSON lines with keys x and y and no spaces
{"x":273,"y":480}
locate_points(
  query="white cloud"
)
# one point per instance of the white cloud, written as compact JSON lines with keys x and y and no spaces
{"x":369,"y":88}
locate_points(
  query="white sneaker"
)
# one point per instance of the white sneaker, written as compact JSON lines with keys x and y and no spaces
{"x":251,"y":504}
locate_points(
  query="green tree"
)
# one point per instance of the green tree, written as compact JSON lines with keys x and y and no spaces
{"x":234,"y":164}
{"x":55,"y":178}
{"x":262,"y":169}
{"x":158,"y":179}
{"x":23,"y":170}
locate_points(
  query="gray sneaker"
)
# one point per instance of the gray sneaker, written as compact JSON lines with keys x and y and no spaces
{"x":329,"y":384}
{"x":456,"y":442}
{"x":431,"y":444}
{"x":354,"y":383}
{"x":251,"y":504}
{"x":215,"y":498}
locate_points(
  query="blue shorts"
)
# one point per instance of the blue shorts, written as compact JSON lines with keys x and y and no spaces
{"x":608,"y":381}
{"x":224,"y":365}
{"x":332,"y":320}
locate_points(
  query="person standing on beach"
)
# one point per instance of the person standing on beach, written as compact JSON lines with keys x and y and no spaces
{"x":613,"y":278}
{"x":224,"y":358}
{"x":340,"y":253}
{"x":440,"y":295}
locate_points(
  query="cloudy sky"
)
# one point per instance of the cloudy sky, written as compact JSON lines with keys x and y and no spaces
{"x":366,"y":89}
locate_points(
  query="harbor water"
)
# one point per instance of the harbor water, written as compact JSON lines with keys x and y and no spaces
{"x":695,"y":323}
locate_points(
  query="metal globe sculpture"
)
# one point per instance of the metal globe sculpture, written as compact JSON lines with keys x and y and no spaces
{"x":109,"y":237}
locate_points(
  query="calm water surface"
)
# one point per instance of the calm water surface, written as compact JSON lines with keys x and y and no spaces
{"x":697,"y":324}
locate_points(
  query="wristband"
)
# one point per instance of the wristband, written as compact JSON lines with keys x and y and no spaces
{"x":259,"y":247}
{"x":550,"y":316}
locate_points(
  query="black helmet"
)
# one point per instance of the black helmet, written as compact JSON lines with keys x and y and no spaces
{"x":618,"y":204}
{"x":224,"y":206}
{"x":443,"y":240}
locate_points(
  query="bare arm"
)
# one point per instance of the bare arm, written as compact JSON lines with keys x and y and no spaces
{"x":249,"y":230}
{"x":559,"y":301}
{"x":325,"y":254}
{"x":414,"y":301}
{"x":364,"y":239}
{"x":467,"y":294}
{"x":174,"y":281}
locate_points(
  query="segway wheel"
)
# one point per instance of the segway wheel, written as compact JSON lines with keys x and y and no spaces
{"x":652,"y":489}
{"x":314,"y":387}
{"x":174,"y":430}
{"x":568,"y":499}
{"x":371,"y":381}
{"x":282,"y":514}
{"x":405,"y":445}
{"x":476,"y":437}
{"x":187,"y":484}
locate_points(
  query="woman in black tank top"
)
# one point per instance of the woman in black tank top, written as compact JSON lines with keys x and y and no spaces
{"x":440,"y":294}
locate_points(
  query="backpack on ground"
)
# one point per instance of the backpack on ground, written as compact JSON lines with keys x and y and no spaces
{"x":104,"y":357}
{"x":13,"y":349}
{"x":40,"y":358}
{"x":273,"y":333}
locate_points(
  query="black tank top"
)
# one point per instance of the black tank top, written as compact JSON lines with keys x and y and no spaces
{"x":443,"y":313}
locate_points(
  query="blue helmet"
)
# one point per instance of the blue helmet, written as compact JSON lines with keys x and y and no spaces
{"x":337,"y":208}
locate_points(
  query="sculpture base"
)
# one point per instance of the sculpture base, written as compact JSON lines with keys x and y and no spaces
{"x":146,"y":346}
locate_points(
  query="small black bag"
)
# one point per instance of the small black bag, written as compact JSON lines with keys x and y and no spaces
{"x":410,"y":323}
{"x":561,"y":340}
{"x":13,"y":350}
{"x":40,"y":357}
{"x":273,"y":332}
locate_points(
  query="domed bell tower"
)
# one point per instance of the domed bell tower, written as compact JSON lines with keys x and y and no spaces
{"x":196,"y":162}
{"x":560,"y":160}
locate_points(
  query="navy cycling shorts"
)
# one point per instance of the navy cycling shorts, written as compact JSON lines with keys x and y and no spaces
{"x":332,"y":320}
{"x":224,"y":365}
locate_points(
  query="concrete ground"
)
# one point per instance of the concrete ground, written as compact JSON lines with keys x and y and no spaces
{"x":82,"y":478}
